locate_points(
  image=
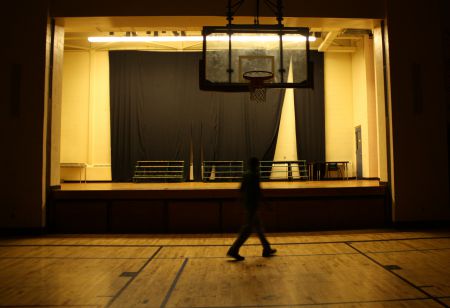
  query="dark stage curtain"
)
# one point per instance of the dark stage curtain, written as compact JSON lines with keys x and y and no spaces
{"x":310,"y":114}
{"x":159,"y":113}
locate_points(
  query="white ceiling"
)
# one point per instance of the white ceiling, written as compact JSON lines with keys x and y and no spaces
{"x":333,"y":34}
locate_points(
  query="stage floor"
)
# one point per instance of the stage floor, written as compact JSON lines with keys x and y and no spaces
{"x":110,"y":186}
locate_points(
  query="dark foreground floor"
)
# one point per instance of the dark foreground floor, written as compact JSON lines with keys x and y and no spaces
{"x":374,"y":268}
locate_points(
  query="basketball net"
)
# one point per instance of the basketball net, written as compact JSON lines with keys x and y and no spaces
{"x":256,"y":84}
{"x":257,"y":92}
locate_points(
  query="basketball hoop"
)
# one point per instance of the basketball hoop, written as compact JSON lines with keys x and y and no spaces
{"x":256,"y":85}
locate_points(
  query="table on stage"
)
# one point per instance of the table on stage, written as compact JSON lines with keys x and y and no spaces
{"x":314,"y":169}
{"x":80,"y":166}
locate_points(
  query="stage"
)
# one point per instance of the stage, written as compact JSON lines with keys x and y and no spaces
{"x":192,"y":207}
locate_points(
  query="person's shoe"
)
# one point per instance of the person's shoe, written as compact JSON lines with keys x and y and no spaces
{"x":268,"y":252}
{"x":236,"y":256}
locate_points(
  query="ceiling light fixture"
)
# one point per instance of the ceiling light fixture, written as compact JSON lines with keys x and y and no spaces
{"x":194,"y":38}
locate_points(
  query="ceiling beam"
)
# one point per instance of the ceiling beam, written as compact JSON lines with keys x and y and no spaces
{"x":76,"y":47}
{"x":348,"y":37}
{"x":341,"y":49}
{"x":328,"y":40}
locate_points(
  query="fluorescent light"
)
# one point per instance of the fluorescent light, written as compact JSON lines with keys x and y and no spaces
{"x":213,"y":38}
{"x":143,"y":39}
{"x":259,"y":38}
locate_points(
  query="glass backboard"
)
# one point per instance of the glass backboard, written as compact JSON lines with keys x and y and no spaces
{"x":229,"y":52}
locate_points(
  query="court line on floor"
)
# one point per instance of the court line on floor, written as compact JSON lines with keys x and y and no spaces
{"x":259,"y":256}
{"x":407,"y":250}
{"x":65,"y":306}
{"x":319,"y":304}
{"x":132,"y":278}
{"x":218,"y":245}
{"x":216,"y":257}
{"x":174,"y":283}
{"x":399,"y":276}
{"x":259,"y":305}
{"x":75,"y":258}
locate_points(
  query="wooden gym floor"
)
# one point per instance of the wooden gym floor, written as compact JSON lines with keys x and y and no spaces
{"x":371,"y":268}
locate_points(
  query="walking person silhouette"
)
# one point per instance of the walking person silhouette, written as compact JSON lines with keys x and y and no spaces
{"x":251,"y":194}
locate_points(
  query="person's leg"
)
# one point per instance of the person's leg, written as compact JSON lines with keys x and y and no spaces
{"x":267,"y":250}
{"x":260,"y":231}
{"x":244,"y":234}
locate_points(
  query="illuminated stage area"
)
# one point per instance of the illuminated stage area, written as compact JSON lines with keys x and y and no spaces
{"x":193,"y":207}
{"x":192,"y":117}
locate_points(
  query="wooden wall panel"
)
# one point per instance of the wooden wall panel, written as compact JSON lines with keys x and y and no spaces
{"x":112,"y":213}
{"x":189,"y":216}
{"x":80,"y":216}
{"x":233,"y":216}
{"x":135,"y":216}
{"x":302,"y":214}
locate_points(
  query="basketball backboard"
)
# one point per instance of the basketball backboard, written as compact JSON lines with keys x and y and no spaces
{"x":231,"y":51}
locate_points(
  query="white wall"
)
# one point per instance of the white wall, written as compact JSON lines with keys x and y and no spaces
{"x":364,"y":105}
{"x":339,"y":129}
{"x":85,"y":127}
{"x":371,"y":114}
{"x":359,"y":89}
{"x":99,"y":128}
{"x":380,"y":105}
{"x":352,"y":99}
{"x":54,"y":135}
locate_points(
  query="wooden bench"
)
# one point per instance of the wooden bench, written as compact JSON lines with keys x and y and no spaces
{"x":222,"y":170}
{"x":159,"y":171}
{"x":283,"y":170}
